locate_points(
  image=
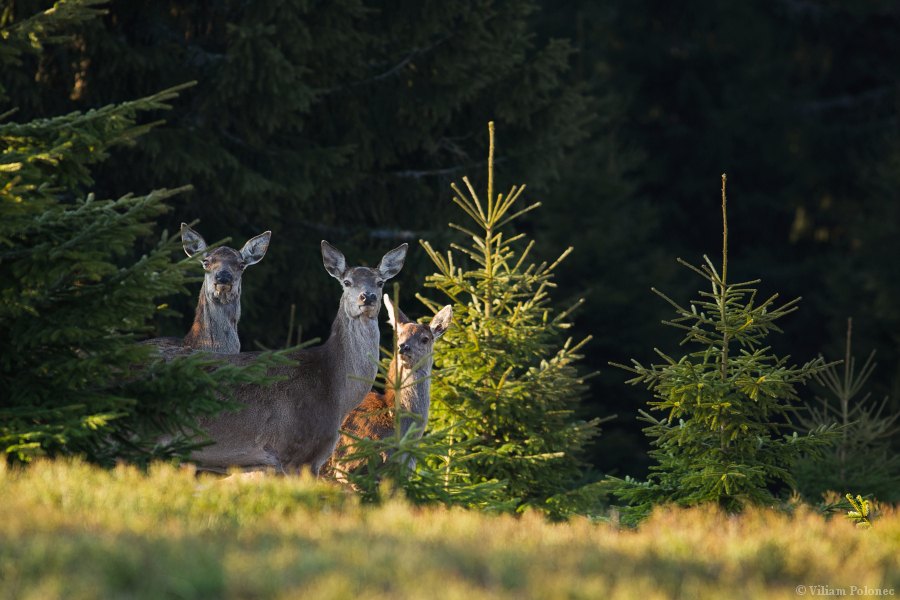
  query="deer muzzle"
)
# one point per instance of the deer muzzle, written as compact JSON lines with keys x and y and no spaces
{"x":222,"y":292}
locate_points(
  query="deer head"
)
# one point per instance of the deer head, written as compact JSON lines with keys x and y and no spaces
{"x":224,"y":266}
{"x":415,"y":342}
{"x":362,"y":285}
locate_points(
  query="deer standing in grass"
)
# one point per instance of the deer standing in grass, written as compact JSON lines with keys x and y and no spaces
{"x":408,"y":376}
{"x":294,"y":422}
{"x":215,"y":326}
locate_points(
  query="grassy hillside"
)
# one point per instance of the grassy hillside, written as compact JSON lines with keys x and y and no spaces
{"x":71,"y":531}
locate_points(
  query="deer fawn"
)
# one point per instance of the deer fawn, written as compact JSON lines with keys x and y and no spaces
{"x":410,"y":376}
{"x":294,"y":422}
{"x":219,"y":306}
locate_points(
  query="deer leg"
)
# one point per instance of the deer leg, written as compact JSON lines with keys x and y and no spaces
{"x":324,"y":454}
{"x":273,"y":460}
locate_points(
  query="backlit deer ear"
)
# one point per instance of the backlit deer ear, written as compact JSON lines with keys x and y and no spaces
{"x":191,"y":241}
{"x":441,"y":321}
{"x":334,"y":261}
{"x":392,"y":262}
{"x":255,"y":248}
{"x":395,"y":315}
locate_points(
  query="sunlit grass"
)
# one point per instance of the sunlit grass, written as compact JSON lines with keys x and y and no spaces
{"x":71,"y":531}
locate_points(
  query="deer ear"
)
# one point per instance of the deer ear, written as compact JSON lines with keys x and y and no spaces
{"x":334,"y":261}
{"x":191,"y":241}
{"x":392,"y":318}
{"x":395,"y":315}
{"x":255,"y":248}
{"x":392,"y":262}
{"x":441,"y":321}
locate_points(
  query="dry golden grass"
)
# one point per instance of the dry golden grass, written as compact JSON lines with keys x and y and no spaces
{"x":71,"y":531}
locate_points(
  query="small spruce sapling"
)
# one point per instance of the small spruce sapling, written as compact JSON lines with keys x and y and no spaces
{"x":726,"y":405}
{"x":862,"y":458}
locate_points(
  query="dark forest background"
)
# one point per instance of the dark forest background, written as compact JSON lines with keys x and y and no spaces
{"x":348,"y":120}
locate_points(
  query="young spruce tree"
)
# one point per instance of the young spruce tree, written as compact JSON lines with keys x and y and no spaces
{"x":862,"y":458}
{"x":73,"y":298}
{"x":505,"y":383}
{"x":726,"y":405}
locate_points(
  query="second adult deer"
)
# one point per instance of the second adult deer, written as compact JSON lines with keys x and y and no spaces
{"x":408,"y":380}
{"x":294,"y":422}
{"x":215,"y":326}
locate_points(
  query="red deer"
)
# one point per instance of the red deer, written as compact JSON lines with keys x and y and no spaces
{"x":294,"y":422}
{"x":410,"y":376}
{"x":218,"y":311}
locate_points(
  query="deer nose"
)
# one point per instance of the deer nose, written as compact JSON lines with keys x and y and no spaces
{"x":367,"y":298}
{"x":403,"y":348}
{"x":224,"y":277}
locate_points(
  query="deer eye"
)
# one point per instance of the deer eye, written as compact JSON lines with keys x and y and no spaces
{"x":205,"y":263}
{"x":347,"y":283}
{"x":379,"y":283}
{"x":425,"y":339}
{"x":241,"y":266}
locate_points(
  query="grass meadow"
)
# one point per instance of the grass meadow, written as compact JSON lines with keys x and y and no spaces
{"x":69,"y":530}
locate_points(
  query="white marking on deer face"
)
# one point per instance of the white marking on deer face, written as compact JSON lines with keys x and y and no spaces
{"x":362,"y":285}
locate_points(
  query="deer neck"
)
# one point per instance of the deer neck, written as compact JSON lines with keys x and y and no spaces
{"x":215,"y":323}
{"x":352,"y":354}
{"x":414,"y":391}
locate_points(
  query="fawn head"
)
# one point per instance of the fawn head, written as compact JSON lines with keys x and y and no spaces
{"x":224,"y":266}
{"x":415,"y":342}
{"x":362,"y":285}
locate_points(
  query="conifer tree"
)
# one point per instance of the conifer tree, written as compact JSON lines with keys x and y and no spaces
{"x":506,"y":381}
{"x":862,"y":458}
{"x":726,"y":406}
{"x":73,"y":297}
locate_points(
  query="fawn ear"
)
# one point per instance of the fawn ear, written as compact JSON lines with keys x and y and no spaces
{"x":392,"y":262}
{"x":255,"y":248}
{"x":392,"y":317}
{"x":334,"y":261}
{"x":191,"y":241}
{"x":395,"y":315}
{"x":441,"y":321}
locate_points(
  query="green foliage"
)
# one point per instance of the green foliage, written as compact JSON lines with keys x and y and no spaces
{"x":861,"y":514}
{"x":862,"y":458}
{"x":726,"y":405}
{"x":506,"y":386}
{"x":73,"y":298}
